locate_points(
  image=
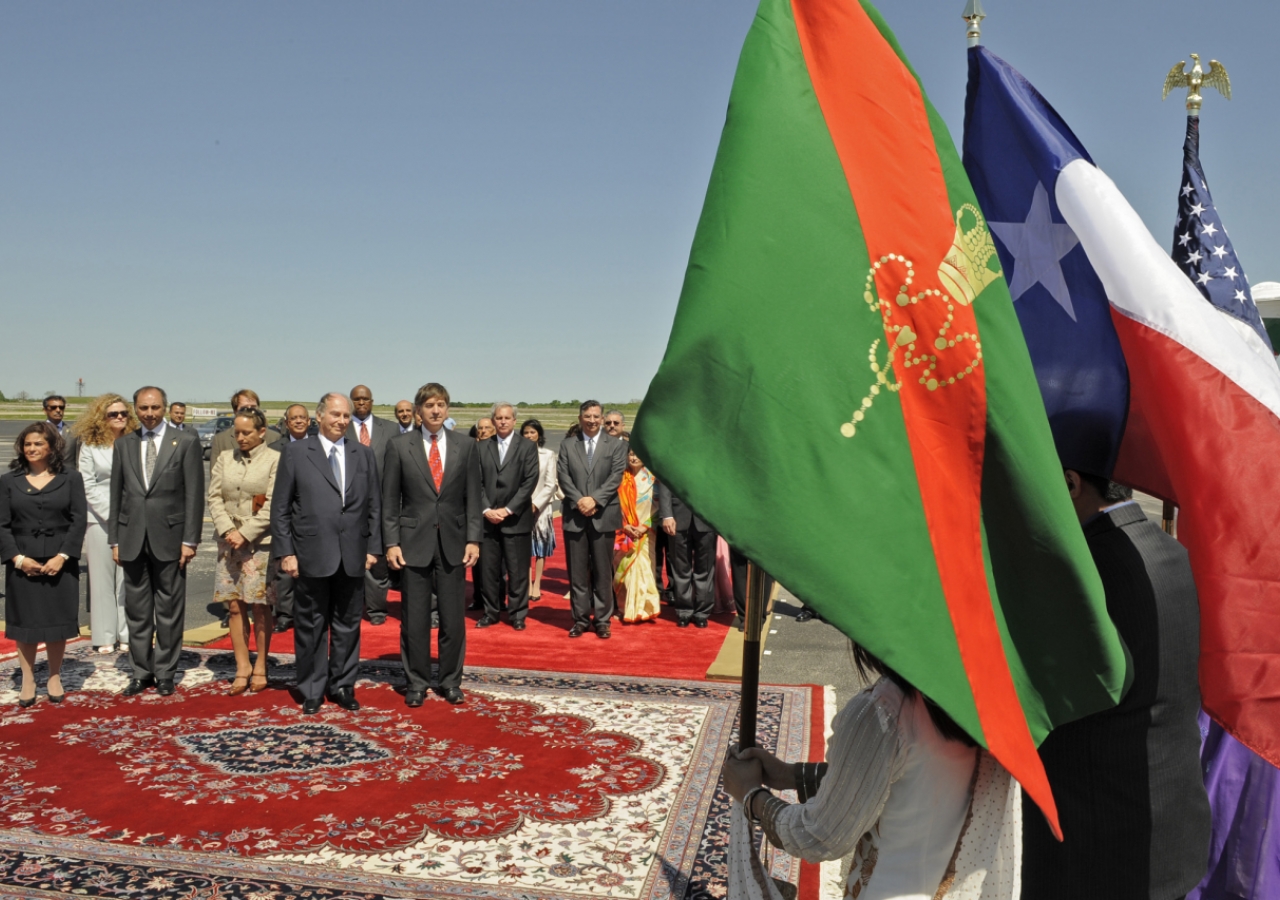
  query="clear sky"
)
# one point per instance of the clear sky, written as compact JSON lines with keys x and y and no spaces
{"x":500,"y":196}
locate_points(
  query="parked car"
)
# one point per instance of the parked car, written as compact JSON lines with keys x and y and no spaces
{"x":206,"y":430}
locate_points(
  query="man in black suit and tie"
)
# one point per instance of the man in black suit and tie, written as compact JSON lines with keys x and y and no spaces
{"x":1127,"y":781}
{"x":178,"y":415}
{"x":433,"y":525}
{"x":691,"y":549}
{"x":590,"y":467}
{"x":55,"y":412}
{"x":509,"y":473}
{"x":154,"y":524}
{"x":326,"y":529}
{"x":374,"y":433}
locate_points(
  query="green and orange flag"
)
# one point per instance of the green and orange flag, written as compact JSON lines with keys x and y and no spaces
{"x":847,"y":397}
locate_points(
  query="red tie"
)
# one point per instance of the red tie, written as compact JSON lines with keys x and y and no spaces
{"x":364,"y":433}
{"x":437,"y":467}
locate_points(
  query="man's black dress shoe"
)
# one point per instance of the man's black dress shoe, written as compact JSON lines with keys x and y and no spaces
{"x":164,"y":687}
{"x":453,"y":695}
{"x":518,"y":626}
{"x":225,"y":621}
{"x":577,"y":631}
{"x":699,"y":623}
{"x":736,"y":623}
{"x":682,"y":623}
{"x":476,"y":604}
{"x":805,"y":615}
{"x":602,"y":632}
{"x":311,"y":707}
{"x":414,"y":698}
{"x":282,"y":625}
{"x":137,"y":686}
{"x":485,"y":622}
{"x":346,"y":698}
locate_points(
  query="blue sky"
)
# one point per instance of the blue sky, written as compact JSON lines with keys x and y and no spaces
{"x":497,"y":195}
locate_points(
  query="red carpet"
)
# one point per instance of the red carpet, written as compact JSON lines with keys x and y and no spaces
{"x":650,"y":649}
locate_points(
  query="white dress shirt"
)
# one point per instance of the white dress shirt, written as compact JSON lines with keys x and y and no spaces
{"x":159,"y":438}
{"x":426,"y":446}
{"x":404,"y":428}
{"x":328,"y":445}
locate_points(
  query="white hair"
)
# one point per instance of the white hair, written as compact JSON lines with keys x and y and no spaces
{"x":497,"y":406}
{"x":324,"y":402}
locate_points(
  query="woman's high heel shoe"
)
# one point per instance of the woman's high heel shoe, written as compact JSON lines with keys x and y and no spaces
{"x":56,"y":698}
{"x":255,"y":687}
{"x":239,"y":685}
{"x":28,"y":703}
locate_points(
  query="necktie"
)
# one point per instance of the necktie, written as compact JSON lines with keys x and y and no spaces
{"x":502,"y":452}
{"x":364,"y":433}
{"x":337,"y":471}
{"x":151,"y":455}
{"x":591,"y":451}
{"x":437,"y":466}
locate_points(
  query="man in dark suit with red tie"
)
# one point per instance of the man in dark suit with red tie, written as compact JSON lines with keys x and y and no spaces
{"x":326,"y":529}
{"x":509,"y":473}
{"x":432,"y":524}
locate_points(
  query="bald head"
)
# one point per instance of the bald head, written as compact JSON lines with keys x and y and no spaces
{"x":361,"y":401}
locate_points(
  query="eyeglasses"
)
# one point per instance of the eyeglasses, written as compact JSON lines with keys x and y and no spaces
{"x":54,"y":406}
{"x":117,"y":415}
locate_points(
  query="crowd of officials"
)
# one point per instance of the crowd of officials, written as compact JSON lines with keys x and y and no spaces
{"x":316,"y":519}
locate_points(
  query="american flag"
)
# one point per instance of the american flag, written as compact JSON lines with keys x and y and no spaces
{"x":1201,"y":247}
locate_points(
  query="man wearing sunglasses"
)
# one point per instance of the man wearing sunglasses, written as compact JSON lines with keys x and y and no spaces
{"x":55,"y":411}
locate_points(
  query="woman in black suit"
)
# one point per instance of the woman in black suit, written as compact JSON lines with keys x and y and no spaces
{"x":42,"y":524}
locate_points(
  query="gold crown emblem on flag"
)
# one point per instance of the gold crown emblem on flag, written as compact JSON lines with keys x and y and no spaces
{"x":955,"y":350}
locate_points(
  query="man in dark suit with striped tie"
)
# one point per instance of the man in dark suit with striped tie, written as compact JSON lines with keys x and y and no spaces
{"x":326,"y":530}
{"x":509,"y":473}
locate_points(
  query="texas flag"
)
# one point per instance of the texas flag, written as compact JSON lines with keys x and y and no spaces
{"x":1143,"y":379}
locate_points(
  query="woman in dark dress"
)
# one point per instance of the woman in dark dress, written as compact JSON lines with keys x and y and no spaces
{"x":42,"y":524}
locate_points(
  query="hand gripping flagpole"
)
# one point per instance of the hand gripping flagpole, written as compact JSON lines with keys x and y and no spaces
{"x":752,"y":628}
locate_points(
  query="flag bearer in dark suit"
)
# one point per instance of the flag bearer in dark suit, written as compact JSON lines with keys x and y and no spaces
{"x":590,"y":467}
{"x":1127,"y":781}
{"x":432,"y":523}
{"x":691,"y":550}
{"x":326,"y":529}
{"x":509,"y":473}
{"x":154,"y":525}
{"x":374,"y":433}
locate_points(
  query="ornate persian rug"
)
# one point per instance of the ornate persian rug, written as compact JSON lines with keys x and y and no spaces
{"x":542,"y":785}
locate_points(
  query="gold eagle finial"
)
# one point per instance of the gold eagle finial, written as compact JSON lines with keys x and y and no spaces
{"x":1194,"y":80}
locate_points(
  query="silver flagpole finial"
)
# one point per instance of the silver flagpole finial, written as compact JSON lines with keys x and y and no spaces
{"x":974,"y":15}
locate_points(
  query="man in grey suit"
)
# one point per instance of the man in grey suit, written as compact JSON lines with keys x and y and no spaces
{"x":374,"y":433}
{"x":590,"y":467}
{"x":1127,"y":781}
{"x":432,"y":523}
{"x":691,"y":549}
{"x":154,"y":524}
{"x":55,"y":412}
{"x":326,"y":529}
{"x":509,"y":473}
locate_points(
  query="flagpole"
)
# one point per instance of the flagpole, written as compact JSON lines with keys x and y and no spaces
{"x":973,"y":14}
{"x":751,"y":630}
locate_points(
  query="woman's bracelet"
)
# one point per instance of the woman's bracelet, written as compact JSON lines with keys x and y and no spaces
{"x":746,"y":802}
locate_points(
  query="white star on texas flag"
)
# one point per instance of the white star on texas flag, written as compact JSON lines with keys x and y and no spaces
{"x":1038,"y":245}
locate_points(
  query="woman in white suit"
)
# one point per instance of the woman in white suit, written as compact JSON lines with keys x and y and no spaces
{"x":545,"y":493}
{"x":107,"y":418}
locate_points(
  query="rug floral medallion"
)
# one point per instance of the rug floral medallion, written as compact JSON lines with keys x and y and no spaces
{"x":541,"y":785}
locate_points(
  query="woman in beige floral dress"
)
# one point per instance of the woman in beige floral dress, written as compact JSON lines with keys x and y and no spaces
{"x":240,"y":506}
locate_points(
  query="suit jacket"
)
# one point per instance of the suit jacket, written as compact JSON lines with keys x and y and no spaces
{"x":1127,"y":781}
{"x":381,"y":433}
{"x":225,"y":440}
{"x":414,"y":513}
{"x":234,"y":481}
{"x":672,"y":507}
{"x":168,"y":513}
{"x":600,"y":481}
{"x":42,"y":524}
{"x":310,"y":518}
{"x":70,"y":447}
{"x":510,"y":484}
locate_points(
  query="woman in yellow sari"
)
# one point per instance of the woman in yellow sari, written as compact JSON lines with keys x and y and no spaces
{"x":634,"y":586}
